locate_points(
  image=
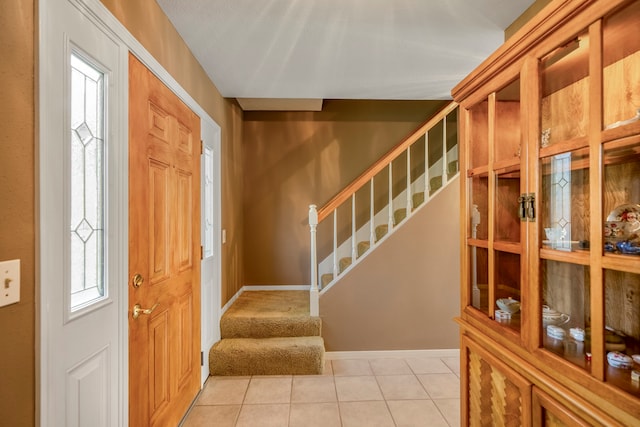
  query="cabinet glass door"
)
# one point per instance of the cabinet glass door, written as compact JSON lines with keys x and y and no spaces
{"x":621,"y":197}
{"x":564,"y":217}
{"x":507,"y":207}
{"x":564,"y":222}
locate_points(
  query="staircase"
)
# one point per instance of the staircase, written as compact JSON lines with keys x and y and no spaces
{"x":407,"y":177}
{"x":269,"y":333}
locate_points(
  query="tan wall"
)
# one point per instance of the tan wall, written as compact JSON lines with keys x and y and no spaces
{"x":294,"y":159}
{"x":17,"y":209}
{"x":149,"y":25}
{"x":17,"y":176}
{"x":405,"y":294}
{"x":526,"y":16}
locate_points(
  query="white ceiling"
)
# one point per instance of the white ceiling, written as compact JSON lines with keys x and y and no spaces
{"x":341,"y":49}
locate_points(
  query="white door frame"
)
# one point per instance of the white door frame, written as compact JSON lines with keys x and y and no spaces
{"x":210,"y":280}
{"x":100,"y":16}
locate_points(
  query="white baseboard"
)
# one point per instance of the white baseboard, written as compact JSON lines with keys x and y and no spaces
{"x":391,"y":354}
{"x":275,"y":288}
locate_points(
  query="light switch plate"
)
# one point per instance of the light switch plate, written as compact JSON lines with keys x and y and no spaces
{"x":9,"y":282}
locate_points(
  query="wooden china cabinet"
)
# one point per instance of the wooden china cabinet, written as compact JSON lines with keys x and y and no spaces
{"x":550,"y":134}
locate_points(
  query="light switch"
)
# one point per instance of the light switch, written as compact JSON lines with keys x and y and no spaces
{"x":9,"y":282}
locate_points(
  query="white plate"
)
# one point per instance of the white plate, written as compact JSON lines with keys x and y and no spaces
{"x":629,"y":213}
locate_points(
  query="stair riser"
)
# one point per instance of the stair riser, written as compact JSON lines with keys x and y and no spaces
{"x":263,"y":357}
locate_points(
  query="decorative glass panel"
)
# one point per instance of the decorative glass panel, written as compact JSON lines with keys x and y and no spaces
{"x":87,"y":184}
{"x":565,"y":213}
{"x":560,"y":215}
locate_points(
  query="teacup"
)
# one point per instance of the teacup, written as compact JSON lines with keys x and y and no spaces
{"x":551,"y":316}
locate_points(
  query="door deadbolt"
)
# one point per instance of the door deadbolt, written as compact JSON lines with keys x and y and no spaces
{"x":137,"y":280}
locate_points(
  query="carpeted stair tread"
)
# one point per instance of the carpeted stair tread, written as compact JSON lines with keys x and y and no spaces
{"x":266,"y":314}
{"x":381,"y":231}
{"x":267,"y":356}
{"x":418,"y":199}
{"x":399,"y":215}
{"x":325,"y":279}
{"x":363,"y":247}
{"x":344,"y":263}
{"x":434,"y":184}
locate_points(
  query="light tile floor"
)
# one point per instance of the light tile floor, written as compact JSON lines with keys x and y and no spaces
{"x":351,"y":393}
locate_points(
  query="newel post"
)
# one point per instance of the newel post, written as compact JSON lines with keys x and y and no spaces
{"x":314,"y":303}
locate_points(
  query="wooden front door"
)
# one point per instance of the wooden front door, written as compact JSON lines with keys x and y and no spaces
{"x":164,"y":252}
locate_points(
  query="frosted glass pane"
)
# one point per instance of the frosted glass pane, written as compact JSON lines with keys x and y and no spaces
{"x":86,"y":184}
{"x":208,"y":202}
{"x":77,"y":190}
{"x":77,"y":99}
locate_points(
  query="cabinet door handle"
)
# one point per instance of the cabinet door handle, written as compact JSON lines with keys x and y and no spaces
{"x":522,"y":208}
{"x":531,"y":209}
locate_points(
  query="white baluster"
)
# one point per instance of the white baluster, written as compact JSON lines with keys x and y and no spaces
{"x":354,"y":251}
{"x":427,"y":178}
{"x":409,"y":195}
{"x":390,"y":223}
{"x":372,"y":225}
{"x":335,"y":243}
{"x":444,"y":151}
{"x":314,"y":303}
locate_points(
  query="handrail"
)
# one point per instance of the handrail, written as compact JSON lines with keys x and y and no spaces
{"x":383,"y":162}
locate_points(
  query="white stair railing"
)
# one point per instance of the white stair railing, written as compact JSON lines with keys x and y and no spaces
{"x":446,"y":165}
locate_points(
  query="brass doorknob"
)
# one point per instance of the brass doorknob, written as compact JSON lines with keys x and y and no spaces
{"x":138,"y":310}
{"x":137,"y":280}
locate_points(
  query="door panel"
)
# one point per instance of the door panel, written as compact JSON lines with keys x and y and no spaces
{"x":158,"y":221}
{"x":164,"y":203}
{"x":80,"y":171}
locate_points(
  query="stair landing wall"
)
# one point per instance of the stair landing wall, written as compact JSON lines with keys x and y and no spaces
{"x":405,"y":294}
